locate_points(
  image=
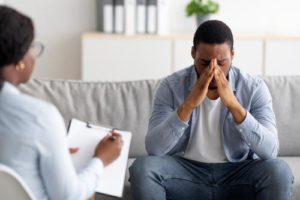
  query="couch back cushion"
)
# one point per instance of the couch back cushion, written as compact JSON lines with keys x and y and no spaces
{"x":124,"y":105}
{"x":285,"y":91}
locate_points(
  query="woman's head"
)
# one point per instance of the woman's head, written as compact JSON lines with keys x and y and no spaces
{"x":16,"y":36}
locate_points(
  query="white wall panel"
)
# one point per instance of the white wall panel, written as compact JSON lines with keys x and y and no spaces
{"x":248,"y":55}
{"x":182,"y":53}
{"x":123,"y":60}
{"x":282,"y":57}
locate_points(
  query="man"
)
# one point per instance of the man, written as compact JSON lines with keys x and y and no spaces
{"x":212,"y":133}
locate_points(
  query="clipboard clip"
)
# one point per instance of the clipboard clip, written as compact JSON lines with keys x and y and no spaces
{"x":88,"y":125}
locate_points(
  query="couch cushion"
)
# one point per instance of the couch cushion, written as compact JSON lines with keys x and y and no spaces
{"x":124,"y":105}
{"x":285,"y":91}
{"x":127,"y":105}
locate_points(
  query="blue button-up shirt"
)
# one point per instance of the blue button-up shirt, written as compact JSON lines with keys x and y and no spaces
{"x":255,"y":137}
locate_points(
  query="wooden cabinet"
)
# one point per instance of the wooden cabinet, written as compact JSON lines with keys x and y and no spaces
{"x":116,"y":58}
{"x":137,"y":57}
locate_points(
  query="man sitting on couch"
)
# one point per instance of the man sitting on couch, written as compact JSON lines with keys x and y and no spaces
{"x":212,"y":133}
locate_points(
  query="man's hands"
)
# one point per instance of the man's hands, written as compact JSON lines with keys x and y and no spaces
{"x":223,"y":86}
{"x":201,"y":89}
{"x":226,"y":94}
{"x":109,"y":148}
{"x":197,"y":95}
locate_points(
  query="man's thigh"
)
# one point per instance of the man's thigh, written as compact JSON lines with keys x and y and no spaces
{"x":180,"y":178}
{"x":258,"y":179}
{"x":185,"y":179}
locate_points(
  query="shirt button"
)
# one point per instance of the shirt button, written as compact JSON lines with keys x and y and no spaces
{"x":241,"y":130}
{"x":182,"y":128}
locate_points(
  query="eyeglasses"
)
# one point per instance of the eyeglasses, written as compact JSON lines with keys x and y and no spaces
{"x":37,"y":49}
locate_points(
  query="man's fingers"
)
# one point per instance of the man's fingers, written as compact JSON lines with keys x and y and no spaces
{"x":222,"y":77}
{"x":217,"y":76}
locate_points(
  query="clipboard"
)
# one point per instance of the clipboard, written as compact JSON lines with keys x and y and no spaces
{"x":86,"y":136}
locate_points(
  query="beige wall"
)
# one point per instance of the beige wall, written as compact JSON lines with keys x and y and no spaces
{"x":59,"y":24}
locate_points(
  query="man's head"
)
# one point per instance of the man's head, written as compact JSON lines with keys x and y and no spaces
{"x":213,"y":39}
{"x":16,"y":36}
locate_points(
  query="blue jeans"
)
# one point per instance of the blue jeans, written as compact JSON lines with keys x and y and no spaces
{"x":177,"y":178}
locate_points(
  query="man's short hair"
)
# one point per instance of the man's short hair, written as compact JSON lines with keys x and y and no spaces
{"x":213,"y":32}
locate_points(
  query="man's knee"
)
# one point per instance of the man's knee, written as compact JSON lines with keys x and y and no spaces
{"x":144,"y":166}
{"x":278,"y":170}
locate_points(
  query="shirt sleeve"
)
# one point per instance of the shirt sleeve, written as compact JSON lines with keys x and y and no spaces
{"x":55,"y":164}
{"x":165,"y":128}
{"x":258,"y":129}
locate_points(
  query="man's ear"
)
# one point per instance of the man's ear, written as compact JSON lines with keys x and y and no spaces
{"x":232,"y":54}
{"x":193,"y":52}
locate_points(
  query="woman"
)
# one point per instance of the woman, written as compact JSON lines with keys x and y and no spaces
{"x":32,"y":132}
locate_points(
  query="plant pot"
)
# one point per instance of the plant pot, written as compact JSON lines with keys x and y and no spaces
{"x":202,"y":18}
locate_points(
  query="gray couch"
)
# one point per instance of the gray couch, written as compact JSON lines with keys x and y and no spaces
{"x":127,"y":105}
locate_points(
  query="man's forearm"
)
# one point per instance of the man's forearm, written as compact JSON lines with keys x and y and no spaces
{"x":164,"y":133}
{"x":184,"y":112}
{"x":238,"y":112}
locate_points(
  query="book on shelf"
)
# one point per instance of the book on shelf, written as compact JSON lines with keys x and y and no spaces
{"x":105,"y":16}
{"x":163,"y":12}
{"x":133,"y":16}
{"x":119,"y":12}
{"x":141,"y":16}
{"x":151,"y":16}
{"x":130,"y":16}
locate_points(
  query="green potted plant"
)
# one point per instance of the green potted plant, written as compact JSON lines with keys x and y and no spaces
{"x":201,"y":9}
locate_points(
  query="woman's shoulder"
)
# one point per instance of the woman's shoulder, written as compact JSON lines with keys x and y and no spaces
{"x":39,"y":106}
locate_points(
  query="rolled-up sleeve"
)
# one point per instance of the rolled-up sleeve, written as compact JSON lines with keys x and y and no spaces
{"x":258,"y":129}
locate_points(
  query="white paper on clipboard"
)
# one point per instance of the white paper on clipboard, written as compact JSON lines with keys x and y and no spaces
{"x":86,"y":137}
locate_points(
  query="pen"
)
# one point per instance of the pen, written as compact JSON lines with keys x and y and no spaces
{"x":111,"y":132}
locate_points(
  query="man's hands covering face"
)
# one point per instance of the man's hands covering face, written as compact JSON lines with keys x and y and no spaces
{"x":201,"y":90}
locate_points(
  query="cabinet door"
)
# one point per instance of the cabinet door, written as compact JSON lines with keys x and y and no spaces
{"x":282,"y":57}
{"x":125,"y":59}
{"x":248,"y":55}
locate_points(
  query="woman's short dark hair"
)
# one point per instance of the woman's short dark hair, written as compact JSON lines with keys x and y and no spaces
{"x":16,"y":35}
{"x":213,"y":32}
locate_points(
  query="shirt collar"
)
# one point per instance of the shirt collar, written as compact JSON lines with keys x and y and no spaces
{"x":194,"y":77}
{"x":10,"y":88}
